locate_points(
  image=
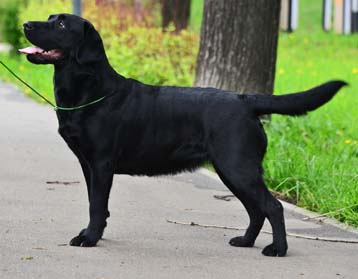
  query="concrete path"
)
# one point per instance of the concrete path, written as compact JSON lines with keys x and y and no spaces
{"x":5,"y":47}
{"x":38,"y":219}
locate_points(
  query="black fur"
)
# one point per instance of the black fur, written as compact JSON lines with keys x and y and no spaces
{"x":141,"y":129}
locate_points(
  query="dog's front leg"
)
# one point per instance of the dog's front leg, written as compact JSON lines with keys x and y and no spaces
{"x":100,"y":182}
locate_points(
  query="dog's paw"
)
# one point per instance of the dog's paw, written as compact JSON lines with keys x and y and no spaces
{"x":86,"y":238}
{"x":241,"y":241}
{"x":272,"y":251}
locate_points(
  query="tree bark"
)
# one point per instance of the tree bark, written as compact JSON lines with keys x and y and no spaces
{"x":238,"y":45}
{"x":176,"y":11}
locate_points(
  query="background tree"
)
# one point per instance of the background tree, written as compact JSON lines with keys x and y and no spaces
{"x":177,"y":12}
{"x":238,"y":45}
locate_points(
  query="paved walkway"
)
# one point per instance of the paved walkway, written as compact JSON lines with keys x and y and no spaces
{"x":4,"y":47}
{"x":38,"y":219}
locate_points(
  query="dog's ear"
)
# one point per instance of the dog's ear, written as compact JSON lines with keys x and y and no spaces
{"x":90,"y":49}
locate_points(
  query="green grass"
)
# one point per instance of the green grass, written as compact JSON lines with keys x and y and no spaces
{"x":196,"y":14}
{"x":311,"y":159}
{"x":39,"y":77}
{"x":314,"y":159}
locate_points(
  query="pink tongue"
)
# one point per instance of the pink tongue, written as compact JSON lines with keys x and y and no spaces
{"x":31,"y":50}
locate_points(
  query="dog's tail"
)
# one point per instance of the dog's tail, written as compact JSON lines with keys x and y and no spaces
{"x":296,"y":103}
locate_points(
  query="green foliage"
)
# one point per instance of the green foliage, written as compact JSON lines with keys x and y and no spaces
{"x":39,"y":77}
{"x":4,"y":4}
{"x":154,"y":57}
{"x":41,"y":9}
{"x":196,"y":14}
{"x":143,"y":53}
{"x":11,"y":28}
{"x":137,"y":52}
{"x":314,"y":159}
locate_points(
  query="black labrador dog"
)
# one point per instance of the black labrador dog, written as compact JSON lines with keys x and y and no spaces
{"x":122,"y":126}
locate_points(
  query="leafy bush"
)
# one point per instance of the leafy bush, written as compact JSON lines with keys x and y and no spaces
{"x":154,"y":57}
{"x":41,"y":9}
{"x":11,"y":28}
{"x":133,"y":48}
{"x":139,"y":49}
{"x":119,"y":15}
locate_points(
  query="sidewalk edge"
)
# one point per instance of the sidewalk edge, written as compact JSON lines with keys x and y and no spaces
{"x":302,"y":211}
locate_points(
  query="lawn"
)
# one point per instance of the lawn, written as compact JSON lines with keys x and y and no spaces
{"x":313,"y":159}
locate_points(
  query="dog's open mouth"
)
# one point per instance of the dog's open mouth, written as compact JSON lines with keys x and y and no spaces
{"x":50,"y":55}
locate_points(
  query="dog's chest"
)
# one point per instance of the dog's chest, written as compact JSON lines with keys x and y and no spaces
{"x":69,"y":131}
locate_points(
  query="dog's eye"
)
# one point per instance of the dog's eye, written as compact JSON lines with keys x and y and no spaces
{"x":61,"y":24}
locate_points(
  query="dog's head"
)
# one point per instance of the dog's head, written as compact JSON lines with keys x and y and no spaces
{"x":62,"y":38}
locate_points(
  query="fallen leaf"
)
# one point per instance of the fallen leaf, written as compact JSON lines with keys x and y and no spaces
{"x":27,"y":258}
{"x":39,"y":248}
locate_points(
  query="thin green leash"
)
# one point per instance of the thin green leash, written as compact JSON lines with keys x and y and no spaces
{"x":48,"y":101}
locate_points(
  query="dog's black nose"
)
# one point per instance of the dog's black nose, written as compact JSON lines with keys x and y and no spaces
{"x":28,"y":26}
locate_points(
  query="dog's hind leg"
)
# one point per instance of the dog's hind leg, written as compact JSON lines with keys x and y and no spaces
{"x":256,"y":216}
{"x":238,"y":161}
{"x":259,"y":203}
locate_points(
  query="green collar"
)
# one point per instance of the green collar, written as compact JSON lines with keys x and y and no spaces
{"x":56,"y":108}
{"x":79,"y":107}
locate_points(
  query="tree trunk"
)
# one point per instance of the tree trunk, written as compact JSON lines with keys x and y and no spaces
{"x":238,"y":45}
{"x":176,"y":11}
